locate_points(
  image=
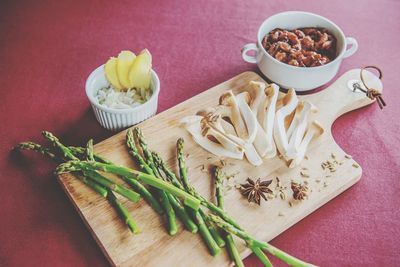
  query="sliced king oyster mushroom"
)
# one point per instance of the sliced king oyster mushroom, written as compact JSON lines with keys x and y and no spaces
{"x":314,"y":130}
{"x":297,"y":128}
{"x":268,"y":119}
{"x":225,"y":113}
{"x":286,"y":106}
{"x":229,"y":100}
{"x":258,"y":97}
{"x":193,"y":125}
{"x":249,"y":151}
{"x":249,"y":118}
{"x":210,"y":131}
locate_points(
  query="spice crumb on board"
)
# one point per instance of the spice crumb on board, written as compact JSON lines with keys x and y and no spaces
{"x":305,"y":175}
{"x":348,"y":156}
{"x":281,"y":214}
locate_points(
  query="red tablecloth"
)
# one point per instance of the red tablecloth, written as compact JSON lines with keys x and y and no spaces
{"x":48,"y":48}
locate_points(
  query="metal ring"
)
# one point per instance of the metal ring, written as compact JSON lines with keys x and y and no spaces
{"x":370,"y":67}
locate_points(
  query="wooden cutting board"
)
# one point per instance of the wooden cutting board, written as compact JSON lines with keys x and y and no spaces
{"x":154,"y":247}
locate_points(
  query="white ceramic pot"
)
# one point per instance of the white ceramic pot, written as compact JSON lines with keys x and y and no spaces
{"x":299,"y":78}
{"x":117,"y":119}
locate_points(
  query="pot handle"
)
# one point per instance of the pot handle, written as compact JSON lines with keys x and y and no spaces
{"x":353,"y":47}
{"x":247,"y":48}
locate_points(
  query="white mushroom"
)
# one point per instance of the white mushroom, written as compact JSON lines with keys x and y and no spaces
{"x":229,"y":100}
{"x":267,"y":120}
{"x":249,"y":151}
{"x":225,"y":113}
{"x":286,"y":106}
{"x":210,"y":131}
{"x":297,"y":128}
{"x":258,"y":98}
{"x":314,"y":130}
{"x":193,"y":125}
{"x":249,"y":118}
{"x":257,"y":107}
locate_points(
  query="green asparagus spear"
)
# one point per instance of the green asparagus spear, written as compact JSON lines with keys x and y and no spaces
{"x":149,"y":167}
{"x":123,"y":212}
{"x":209,"y":234}
{"x":138,"y":187}
{"x":218,"y":187}
{"x":261,"y":256}
{"x":146,"y":152}
{"x":151,"y":180}
{"x":183,"y":215}
{"x":130,"y":142}
{"x":89,"y":151}
{"x":120,"y":189}
{"x":183,"y":171}
{"x":80,"y":152}
{"x":230,"y":243}
{"x":67,"y":153}
{"x":91,"y":183}
{"x":213,"y":230}
{"x":50,"y":154}
{"x":37,"y":148}
{"x":255,"y":243}
{"x":205,"y":233}
{"x":233,"y":251}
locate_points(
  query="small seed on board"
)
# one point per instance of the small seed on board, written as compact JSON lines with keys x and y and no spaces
{"x":355,"y":165}
{"x":304,"y":174}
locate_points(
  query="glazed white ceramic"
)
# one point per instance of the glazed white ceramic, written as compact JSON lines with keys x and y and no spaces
{"x":117,"y":119}
{"x":299,"y":78}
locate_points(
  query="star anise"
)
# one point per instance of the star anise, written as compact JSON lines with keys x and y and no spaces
{"x":255,"y":190}
{"x":299,"y":191}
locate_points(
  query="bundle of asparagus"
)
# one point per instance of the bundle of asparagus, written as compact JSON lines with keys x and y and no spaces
{"x":166,"y":193}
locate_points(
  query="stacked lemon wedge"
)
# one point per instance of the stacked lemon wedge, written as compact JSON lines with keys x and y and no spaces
{"x":129,"y":71}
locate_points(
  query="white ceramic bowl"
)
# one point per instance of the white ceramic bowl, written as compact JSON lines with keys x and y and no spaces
{"x":117,"y":119}
{"x":299,"y":78}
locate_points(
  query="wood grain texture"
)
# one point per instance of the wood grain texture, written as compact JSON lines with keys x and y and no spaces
{"x":154,"y":247}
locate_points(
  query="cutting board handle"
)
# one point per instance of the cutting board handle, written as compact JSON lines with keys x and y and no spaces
{"x":339,"y":98}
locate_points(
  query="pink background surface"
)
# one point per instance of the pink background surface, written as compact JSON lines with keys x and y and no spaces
{"x":48,"y":48}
